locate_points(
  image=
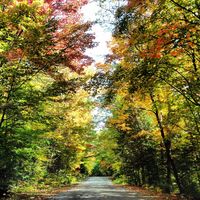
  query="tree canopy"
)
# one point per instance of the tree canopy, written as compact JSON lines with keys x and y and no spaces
{"x":147,"y":90}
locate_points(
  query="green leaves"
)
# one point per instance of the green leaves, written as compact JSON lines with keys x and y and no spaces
{"x":155,"y":102}
{"x":44,"y":113}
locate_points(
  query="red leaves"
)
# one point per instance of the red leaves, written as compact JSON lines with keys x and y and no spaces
{"x":55,"y":36}
{"x":169,"y":41}
{"x":70,"y":38}
{"x":48,"y":1}
{"x":71,"y":43}
{"x":30,"y":1}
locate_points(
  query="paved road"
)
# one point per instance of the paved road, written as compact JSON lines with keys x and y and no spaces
{"x":99,"y":188}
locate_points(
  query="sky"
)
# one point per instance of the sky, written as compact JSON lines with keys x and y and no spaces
{"x":90,"y":11}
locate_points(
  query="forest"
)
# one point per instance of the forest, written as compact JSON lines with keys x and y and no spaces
{"x":148,"y":87}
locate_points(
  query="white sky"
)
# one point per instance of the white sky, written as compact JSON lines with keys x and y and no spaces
{"x":102,"y":36}
{"x":90,"y":11}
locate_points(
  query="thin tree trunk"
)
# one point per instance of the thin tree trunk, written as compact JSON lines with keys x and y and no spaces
{"x":176,"y":175}
{"x":7,"y":100}
{"x":167,"y":143}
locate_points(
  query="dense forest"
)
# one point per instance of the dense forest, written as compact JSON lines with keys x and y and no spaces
{"x":149,"y":86}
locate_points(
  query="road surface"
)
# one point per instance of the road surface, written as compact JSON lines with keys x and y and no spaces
{"x":99,"y":188}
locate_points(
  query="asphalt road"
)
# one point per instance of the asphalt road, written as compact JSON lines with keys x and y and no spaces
{"x":99,"y":188}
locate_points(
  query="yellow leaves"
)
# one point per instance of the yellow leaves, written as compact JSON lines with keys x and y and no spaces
{"x":117,"y":165}
{"x":142,"y":102}
{"x":156,"y":134}
{"x":140,"y":134}
{"x":80,"y":97}
{"x":123,"y":117}
{"x":181,"y":123}
{"x":37,"y":126}
{"x":119,"y":46}
{"x":144,"y":7}
{"x":106,"y":67}
{"x":43,"y":158}
{"x":120,"y":122}
{"x":124,"y":127}
{"x":183,"y":139}
{"x":57,"y":135}
{"x":122,"y":91}
{"x":79,"y":117}
{"x":41,"y":81}
{"x":77,"y":114}
{"x":89,"y":71}
{"x":120,"y":119}
{"x":3,"y":45}
{"x":81,"y":148}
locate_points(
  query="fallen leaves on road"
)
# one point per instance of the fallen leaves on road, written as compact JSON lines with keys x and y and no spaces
{"x":154,"y":194}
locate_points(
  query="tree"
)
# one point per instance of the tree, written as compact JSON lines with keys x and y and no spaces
{"x":37,"y":39}
{"x":155,"y":44}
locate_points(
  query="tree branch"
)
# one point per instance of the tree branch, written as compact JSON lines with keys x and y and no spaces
{"x":184,"y":8}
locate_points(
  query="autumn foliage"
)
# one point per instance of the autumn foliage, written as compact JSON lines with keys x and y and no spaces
{"x":42,"y":47}
{"x":56,"y":25}
{"x":154,"y":94}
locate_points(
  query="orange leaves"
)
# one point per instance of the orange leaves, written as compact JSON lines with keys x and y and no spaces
{"x":154,"y":50}
{"x":120,"y":124}
{"x":176,"y":52}
{"x":119,"y":47}
{"x":161,"y":32}
{"x":169,"y":41}
{"x":144,"y":7}
{"x":104,"y":66}
{"x":160,"y":42}
{"x":168,"y":30}
{"x":135,"y":3}
{"x":150,"y":54}
{"x":14,"y":54}
{"x":140,"y":134}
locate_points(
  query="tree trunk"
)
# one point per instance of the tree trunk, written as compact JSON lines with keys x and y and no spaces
{"x":167,"y":144}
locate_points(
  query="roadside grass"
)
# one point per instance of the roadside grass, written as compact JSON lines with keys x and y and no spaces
{"x":38,"y":194}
